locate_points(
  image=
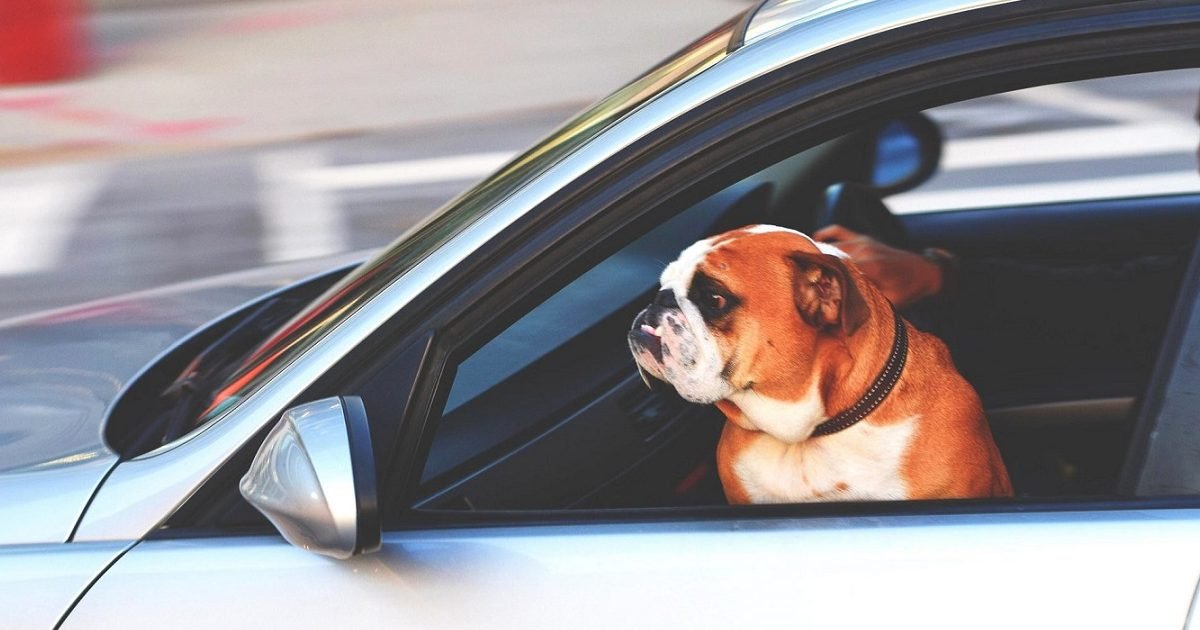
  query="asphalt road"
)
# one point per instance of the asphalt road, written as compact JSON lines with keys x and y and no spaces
{"x":80,"y":231}
{"x":77,"y":232}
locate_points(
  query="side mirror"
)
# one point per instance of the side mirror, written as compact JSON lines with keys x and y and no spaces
{"x":314,"y":478}
{"x":907,"y":153}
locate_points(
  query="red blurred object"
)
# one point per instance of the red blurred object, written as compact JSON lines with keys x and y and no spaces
{"x":41,"y":40}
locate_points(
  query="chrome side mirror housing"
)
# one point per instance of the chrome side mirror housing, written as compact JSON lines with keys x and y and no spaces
{"x":314,"y":478}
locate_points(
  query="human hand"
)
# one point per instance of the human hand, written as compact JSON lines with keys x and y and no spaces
{"x":903,"y":276}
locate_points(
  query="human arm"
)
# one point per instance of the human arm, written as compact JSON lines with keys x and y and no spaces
{"x":904,"y":277}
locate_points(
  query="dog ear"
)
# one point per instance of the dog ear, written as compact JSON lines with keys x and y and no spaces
{"x":826,"y":294}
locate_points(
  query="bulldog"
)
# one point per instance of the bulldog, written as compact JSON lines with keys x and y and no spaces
{"x":828,"y":394}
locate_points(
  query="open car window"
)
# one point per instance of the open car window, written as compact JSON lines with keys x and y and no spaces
{"x":549,"y":412}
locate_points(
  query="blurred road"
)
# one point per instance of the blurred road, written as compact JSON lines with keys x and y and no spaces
{"x":78,"y":231}
{"x":138,"y":211}
{"x":249,"y":72}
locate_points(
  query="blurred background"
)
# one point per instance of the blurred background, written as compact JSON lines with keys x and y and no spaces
{"x":150,"y":141}
{"x":144,"y":142}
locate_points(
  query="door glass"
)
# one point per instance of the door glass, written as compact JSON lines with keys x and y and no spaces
{"x":1109,"y":138}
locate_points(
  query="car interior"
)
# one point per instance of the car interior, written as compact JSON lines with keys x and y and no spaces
{"x":1058,"y":324}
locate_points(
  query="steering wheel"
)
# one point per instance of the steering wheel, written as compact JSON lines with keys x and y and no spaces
{"x":900,"y":154}
{"x":859,"y":208}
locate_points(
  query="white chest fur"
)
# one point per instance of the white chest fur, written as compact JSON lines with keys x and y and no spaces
{"x":786,"y":421}
{"x":860,"y":463}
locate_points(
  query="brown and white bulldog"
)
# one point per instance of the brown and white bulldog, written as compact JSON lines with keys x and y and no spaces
{"x":828,"y":394}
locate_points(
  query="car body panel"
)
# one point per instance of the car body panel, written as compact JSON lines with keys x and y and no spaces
{"x":43,"y":504}
{"x":1133,"y":569}
{"x":39,"y":583}
{"x":61,"y":372}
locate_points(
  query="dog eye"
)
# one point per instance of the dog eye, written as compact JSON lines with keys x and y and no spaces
{"x":715,"y":301}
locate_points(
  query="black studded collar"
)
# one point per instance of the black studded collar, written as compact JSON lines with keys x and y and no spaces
{"x":879,"y":389}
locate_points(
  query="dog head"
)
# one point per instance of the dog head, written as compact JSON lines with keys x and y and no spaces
{"x":746,"y":309}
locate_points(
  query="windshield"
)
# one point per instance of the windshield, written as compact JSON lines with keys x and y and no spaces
{"x":329,"y":310}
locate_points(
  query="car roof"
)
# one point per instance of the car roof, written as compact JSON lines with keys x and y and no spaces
{"x":772,"y":16}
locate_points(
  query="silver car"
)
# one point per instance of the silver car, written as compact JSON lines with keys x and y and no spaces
{"x":452,"y":434}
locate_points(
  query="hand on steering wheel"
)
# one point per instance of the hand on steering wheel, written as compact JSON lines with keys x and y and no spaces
{"x":903,"y":276}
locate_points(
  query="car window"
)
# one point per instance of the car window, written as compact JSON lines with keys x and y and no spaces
{"x":550,"y":412}
{"x":1113,"y":137}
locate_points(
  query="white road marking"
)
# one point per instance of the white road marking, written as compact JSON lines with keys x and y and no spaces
{"x":39,"y":209}
{"x":1091,"y":103}
{"x":1070,"y":145}
{"x":299,"y":220}
{"x":404,"y":173}
{"x":1046,"y":192}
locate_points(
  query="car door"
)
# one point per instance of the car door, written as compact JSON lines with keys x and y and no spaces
{"x":1094,"y":569}
{"x":1105,"y":562}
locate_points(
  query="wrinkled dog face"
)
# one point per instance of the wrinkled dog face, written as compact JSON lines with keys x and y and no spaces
{"x":671,"y":339}
{"x":743,"y":308}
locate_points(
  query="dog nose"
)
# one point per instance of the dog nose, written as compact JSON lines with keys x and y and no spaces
{"x":666,"y":299}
